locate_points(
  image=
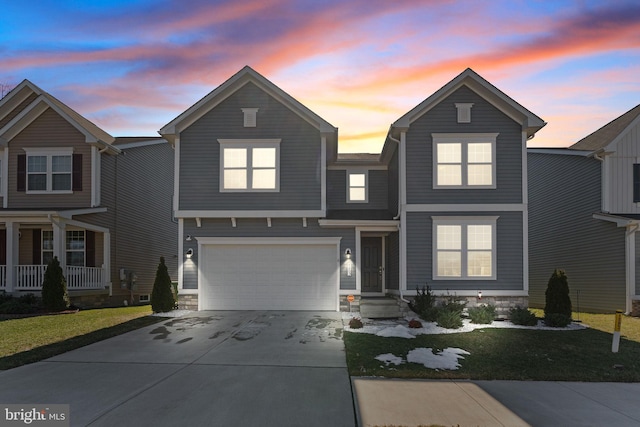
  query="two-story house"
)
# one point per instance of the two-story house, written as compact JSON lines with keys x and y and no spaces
{"x":100,"y":204}
{"x":584,"y":204}
{"x":272,"y":217}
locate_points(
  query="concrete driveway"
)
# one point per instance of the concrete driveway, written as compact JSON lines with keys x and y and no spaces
{"x":207,"y":368}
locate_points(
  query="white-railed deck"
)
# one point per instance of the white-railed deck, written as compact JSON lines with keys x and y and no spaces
{"x":30,"y":277}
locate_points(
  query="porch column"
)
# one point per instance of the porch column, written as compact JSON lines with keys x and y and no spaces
{"x":13,"y":230}
{"x":59,"y":242}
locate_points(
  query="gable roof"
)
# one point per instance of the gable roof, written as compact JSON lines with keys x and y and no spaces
{"x":608,"y":133}
{"x":44,"y":101}
{"x":226,"y":89}
{"x":530,"y":122}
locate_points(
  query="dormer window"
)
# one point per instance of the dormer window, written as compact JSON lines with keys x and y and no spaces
{"x":464,"y":112}
{"x":250,"y":117}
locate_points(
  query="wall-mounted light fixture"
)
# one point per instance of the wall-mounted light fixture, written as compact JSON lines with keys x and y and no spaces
{"x":479,"y":294}
{"x":189,"y":253}
{"x":347,"y":256}
{"x":189,"y":238}
{"x":347,"y":253}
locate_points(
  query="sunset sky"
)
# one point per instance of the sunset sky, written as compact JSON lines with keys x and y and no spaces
{"x":132,"y":66}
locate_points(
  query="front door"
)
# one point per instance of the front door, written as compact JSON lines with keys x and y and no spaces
{"x":372,"y":270}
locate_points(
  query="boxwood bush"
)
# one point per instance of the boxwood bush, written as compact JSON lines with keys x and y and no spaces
{"x":482,"y":314}
{"x":522,"y":316}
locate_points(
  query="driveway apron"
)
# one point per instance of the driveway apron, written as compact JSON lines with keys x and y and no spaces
{"x":208,"y":368}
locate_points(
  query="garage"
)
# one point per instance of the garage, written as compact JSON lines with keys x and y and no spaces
{"x":268,"y":273}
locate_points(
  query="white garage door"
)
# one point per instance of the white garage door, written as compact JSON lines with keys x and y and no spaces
{"x":268,"y":276}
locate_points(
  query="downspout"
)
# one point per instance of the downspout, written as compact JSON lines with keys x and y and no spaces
{"x":398,"y":215}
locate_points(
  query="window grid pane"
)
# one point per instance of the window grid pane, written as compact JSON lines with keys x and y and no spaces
{"x":264,"y":158}
{"x":61,"y":164}
{"x":479,"y":237}
{"x":235,"y":179}
{"x":479,"y":264}
{"x":60,"y":182}
{"x":264,"y":179}
{"x":449,"y":153}
{"x":37,"y":164}
{"x":479,"y":152}
{"x":357,"y":194}
{"x":449,"y":175}
{"x":37,"y":182}
{"x":449,"y":264}
{"x":480,"y":175}
{"x":449,"y":237}
{"x":235,"y":158}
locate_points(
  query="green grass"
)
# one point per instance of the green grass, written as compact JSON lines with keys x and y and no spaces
{"x":32,"y":339}
{"x":507,"y":354}
{"x":605,"y":322}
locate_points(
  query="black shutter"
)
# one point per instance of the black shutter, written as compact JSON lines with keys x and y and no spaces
{"x":3,"y":247}
{"x":90,"y":248}
{"x":77,"y":172}
{"x":22,"y":172}
{"x":37,"y":246}
{"x":636,"y":183}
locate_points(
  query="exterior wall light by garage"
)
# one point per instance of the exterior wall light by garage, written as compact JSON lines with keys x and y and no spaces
{"x":347,"y":253}
{"x":189,"y":253}
{"x":189,"y":238}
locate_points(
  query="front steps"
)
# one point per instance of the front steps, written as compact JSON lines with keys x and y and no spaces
{"x":381,"y":308}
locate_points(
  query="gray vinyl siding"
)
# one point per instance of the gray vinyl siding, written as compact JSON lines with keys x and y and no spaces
{"x":49,"y":130}
{"x":508,"y":252}
{"x":443,"y":119}
{"x":637,"y":289}
{"x":337,"y":190}
{"x":300,"y":156}
{"x":564,"y":193}
{"x":280,"y":228}
{"x":393,"y":261}
{"x":137,"y":190}
{"x":394,"y":179}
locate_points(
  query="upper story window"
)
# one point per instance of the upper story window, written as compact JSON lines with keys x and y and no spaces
{"x":465,"y":160}
{"x":249,"y":165}
{"x":49,"y":171}
{"x":464,"y":248}
{"x":357,"y":186}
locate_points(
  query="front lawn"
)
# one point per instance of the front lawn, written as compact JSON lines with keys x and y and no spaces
{"x":32,"y":339}
{"x":505,"y":354}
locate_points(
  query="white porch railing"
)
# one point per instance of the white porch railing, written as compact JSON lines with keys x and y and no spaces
{"x":30,"y":277}
{"x":3,"y":276}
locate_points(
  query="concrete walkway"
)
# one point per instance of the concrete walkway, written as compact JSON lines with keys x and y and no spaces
{"x":411,"y":403}
{"x":204,"y":369}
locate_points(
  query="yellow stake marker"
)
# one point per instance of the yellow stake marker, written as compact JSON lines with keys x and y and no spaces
{"x":616,"y":332}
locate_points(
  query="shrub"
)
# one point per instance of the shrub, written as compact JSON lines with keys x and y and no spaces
{"x":557,"y":320}
{"x":54,"y":288}
{"x":430,"y":314}
{"x":424,"y":300}
{"x":15,"y":306}
{"x":162,"y":299}
{"x":415,"y":324}
{"x":454,"y":306}
{"x":449,"y":319}
{"x":4,"y":297}
{"x":557,"y":300}
{"x":483,"y":314}
{"x":355,"y":323}
{"x":522,"y":316}
{"x":29,"y":299}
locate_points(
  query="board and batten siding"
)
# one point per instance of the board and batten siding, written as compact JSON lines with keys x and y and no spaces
{"x":49,"y":130}
{"x":509,"y":276}
{"x":337,"y":190}
{"x":620,"y":172}
{"x":564,"y":193}
{"x":249,"y":227}
{"x":485,"y":118}
{"x":300,"y":156}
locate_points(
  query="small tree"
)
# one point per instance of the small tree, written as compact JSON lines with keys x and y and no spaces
{"x":54,"y":288}
{"x":162,"y":299}
{"x":557,"y":309}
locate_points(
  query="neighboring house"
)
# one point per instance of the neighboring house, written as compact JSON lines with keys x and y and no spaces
{"x":100,"y":204}
{"x":584,"y":205}
{"x":272,"y":217}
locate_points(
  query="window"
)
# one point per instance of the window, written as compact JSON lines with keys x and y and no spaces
{"x":49,"y":171}
{"x":47,"y":246}
{"x":249,"y":165}
{"x":464,"y":248}
{"x":75,"y":247}
{"x":464,"y":160}
{"x":357,"y":187}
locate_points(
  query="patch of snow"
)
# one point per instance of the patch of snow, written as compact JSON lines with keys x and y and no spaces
{"x":446,"y":359}
{"x":173,"y":313}
{"x":398,"y":331}
{"x":389,"y":358}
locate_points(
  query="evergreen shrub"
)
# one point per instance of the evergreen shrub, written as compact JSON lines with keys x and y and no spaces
{"x":482,"y":314}
{"x":522,"y":316}
{"x":54,"y":288}
{"x":162,"y":299}
{"x":557,"y":307}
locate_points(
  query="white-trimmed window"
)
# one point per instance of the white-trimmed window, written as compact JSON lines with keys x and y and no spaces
{"x":75,"y":246}
{"x":249,"y":165}
{"x":49,"y":170}
{"x":357,"y":186}
{"x":464,"y":160}
{"x":464,"y":248}
{"x":47,"y":246}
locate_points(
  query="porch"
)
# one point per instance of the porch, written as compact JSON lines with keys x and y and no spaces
{"x":30,"y":277}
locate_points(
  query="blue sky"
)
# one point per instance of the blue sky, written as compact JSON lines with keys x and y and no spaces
{"x":132,"y":66}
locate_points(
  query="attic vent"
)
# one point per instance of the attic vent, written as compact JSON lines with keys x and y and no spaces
{"x":250,"y":117}
{"x":464,"y":112}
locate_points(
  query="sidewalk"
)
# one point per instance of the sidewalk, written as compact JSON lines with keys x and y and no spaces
{"x":410,"y":403}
